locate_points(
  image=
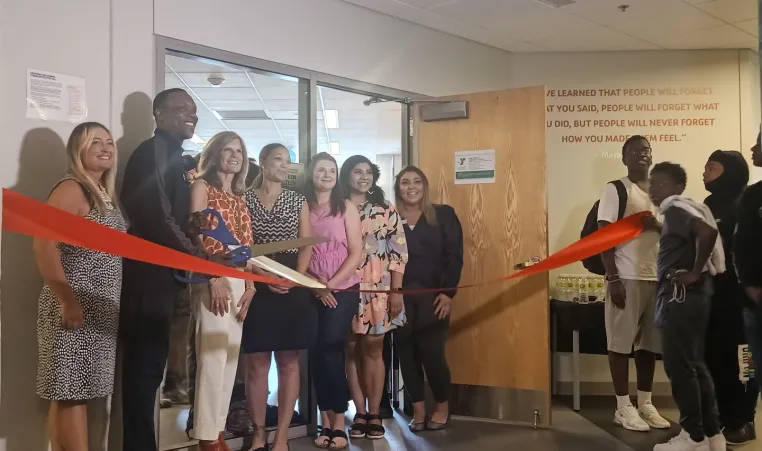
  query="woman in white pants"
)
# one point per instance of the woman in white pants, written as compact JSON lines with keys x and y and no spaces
{"x":221,"y":305}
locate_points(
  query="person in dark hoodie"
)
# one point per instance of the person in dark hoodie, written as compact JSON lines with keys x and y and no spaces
{"x":726,"y":175}
{"x":747,"y":255}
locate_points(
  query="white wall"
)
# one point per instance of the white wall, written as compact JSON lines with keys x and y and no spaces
{"x":578,"y":171}
{"x":750,"y":101}
{"x":86,"y":38}
{"x":338,"y":38}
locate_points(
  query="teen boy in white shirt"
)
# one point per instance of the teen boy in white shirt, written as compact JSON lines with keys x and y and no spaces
{"x":631,"y":287}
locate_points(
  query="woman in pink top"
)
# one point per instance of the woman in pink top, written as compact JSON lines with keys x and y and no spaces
{"x":335,"y":264}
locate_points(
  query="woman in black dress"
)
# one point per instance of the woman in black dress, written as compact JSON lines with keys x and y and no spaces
{"x":435,"y":247}
{"x":282,"y":320}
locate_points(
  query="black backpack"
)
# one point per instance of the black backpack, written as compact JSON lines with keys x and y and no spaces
{"x":594,"y":264}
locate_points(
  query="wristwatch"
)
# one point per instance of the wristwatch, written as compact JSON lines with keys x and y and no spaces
{"x":612,"y":277}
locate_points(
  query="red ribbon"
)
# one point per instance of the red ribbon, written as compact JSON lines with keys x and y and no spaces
{"x":33,"y":218}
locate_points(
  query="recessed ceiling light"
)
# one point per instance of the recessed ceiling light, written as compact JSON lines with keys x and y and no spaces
{"x":334,"y":147}
{"x":331,"y":119}
{"x":197,"y":140}
{"x":216,"y":80}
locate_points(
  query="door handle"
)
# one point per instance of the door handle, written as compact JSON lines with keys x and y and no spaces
{"x":531,"y":262}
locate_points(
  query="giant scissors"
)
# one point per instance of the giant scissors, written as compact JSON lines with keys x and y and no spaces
{"x":240,"y":255}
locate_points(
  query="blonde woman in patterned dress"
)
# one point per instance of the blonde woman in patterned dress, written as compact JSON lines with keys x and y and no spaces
{"x":219,"y":306}
{"x":382,"y":268}
{"x":78,"y":309}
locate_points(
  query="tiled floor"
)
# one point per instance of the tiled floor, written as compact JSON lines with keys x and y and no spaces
{"x":570,"y":432}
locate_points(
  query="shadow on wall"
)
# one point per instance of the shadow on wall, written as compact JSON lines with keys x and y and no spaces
{"x":604,"y":171}
{"x":22,"y":415}
{"x":137,"y":125}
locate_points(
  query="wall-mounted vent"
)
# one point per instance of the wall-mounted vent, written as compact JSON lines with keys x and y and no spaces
{"x":243,"y":115}
{"x":557,"y":3}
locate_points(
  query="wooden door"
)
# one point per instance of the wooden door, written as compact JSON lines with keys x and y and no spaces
{"x":499,"y":343}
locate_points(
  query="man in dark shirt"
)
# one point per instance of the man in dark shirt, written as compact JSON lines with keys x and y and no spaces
{"x":156,"y":199}
{"x":682,"y":308}
{"x":747,"y":255}
{"x":726,"y":175}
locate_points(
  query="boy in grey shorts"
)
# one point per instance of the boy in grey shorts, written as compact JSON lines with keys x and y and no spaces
{"x":631,"y":285}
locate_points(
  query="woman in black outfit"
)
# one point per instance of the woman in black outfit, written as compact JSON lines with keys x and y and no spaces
{"x":435,"y":246}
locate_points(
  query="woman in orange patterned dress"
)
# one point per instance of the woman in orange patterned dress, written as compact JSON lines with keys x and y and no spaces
{"x":220,"y":306}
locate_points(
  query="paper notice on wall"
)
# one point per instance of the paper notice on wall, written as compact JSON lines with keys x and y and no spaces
{"x":474,"y":166}
{"x":55,"y":97}
{"x":294,"y":176}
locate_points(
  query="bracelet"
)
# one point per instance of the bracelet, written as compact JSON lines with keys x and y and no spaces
{"x":250,"y":288}
{"x":394,"y":290}
{"x":612,"y":278}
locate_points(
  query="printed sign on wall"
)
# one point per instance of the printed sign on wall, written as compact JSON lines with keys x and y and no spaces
{"x":55,"y":97}
{"x":474,"y":166}
{"x":294,"y":176}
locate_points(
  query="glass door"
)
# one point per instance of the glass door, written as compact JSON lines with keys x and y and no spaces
{"x":262,"y":108}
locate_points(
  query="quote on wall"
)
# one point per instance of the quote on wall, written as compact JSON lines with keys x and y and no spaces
{"x":610,"y":115}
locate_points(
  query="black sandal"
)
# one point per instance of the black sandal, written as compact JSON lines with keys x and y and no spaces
{"x":375,"y":431}
{"x":327,"y":435}
{"x":338,"y":434}
{"x":359,"y":430}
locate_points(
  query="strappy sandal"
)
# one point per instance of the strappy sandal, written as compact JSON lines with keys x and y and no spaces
{"x":324,"y":439}
{"x":375,"y":431}
{"x":359,"y":430}
{"x":340,"y":435}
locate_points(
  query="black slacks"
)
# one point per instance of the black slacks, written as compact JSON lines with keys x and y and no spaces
{"x":420,"y":345}
{"x":145,"y":325}
{"x":684,"y":335}
{"x":736,"y":401}
{"x":328,"y":357}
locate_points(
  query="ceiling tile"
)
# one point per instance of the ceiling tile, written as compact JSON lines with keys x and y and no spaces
{"x":427,"y":4}
{"x":749,"y":26}
{"x":725,"y":36}
{"x":731,"y":11}
{"x":595,"y":38}
{"x":645,"y":17}
{"x":528,"y":20}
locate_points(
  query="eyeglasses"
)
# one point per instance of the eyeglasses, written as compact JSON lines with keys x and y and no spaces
{"x":643,"y":150}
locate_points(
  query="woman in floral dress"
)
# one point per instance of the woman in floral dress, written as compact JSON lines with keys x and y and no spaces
{"x":382,"y":268}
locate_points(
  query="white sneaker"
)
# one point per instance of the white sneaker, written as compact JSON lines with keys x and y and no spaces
{"x":628,"y":418}
{"x":651,"y":416}
{"x":718,"y":443}
{"x":683,"y":442}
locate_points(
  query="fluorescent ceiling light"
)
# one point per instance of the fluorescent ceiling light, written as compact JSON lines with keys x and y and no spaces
{"x":335,"y":147}
{"x":197,"y":140}
{"x":331,"y":118}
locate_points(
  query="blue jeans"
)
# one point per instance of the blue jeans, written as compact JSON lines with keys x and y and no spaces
{"x":752,"y":317}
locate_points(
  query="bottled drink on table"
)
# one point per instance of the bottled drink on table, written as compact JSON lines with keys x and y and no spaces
{"x":583,"y":290}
